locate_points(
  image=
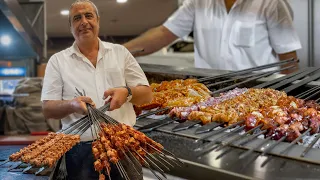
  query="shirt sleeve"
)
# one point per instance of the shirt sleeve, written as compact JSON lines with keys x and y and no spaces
{"x":182,"y":21}
{"x":282,"y":34}
{"x":52,"y":82}
{"x":134,"y":75}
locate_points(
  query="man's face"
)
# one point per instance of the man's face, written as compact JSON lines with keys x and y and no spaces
{"x":84,"y":22}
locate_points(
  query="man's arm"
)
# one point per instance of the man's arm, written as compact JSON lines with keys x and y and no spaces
{"x":283,"y":37}
{"x":286,"y":56}
{"x":58,"y":109}
{"x":151,"y":41}
{"x":140,"y":95}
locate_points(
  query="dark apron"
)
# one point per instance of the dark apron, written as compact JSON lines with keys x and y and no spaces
{"x":79,"y":163}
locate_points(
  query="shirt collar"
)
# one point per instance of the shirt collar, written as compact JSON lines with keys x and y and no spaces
{"x":103,"y":48}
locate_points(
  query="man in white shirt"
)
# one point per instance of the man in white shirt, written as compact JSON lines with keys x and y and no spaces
{"x":228,"y":34}
{"x":99,"y":68}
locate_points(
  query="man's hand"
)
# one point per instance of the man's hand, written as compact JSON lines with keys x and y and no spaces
{"x":118,"y":96}
{"x":286,"y":56}
{"x":79,"y":104}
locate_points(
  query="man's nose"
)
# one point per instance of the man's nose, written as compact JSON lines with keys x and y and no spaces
{"x":84,"y":20}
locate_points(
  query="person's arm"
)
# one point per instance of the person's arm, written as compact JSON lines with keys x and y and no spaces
{"x":151,"y":41}
{"x":286,"y":56}
{"x":180,"y":24}
{"x":140,"y":95}
{"x":283,"y":37}
{"x":58,"y":109}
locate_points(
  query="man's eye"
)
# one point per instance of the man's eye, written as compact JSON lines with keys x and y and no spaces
{"x":89,"y":15}
{"x":76,"y":18}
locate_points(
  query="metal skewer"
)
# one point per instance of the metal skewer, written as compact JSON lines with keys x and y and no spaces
{"x":250,"y":79}
{"x":224,"y":144}
{"x":310,"y":146}
{"x":148,"y":166}
{"x":248,"y":139}
{"x":130,"y":161}
{"x":251,"y":150}
{"x":249,"y":70}
{"x":123,"y":171}
{"x":4,"y":162}
{"x":164,"y":160}
{"x":310,"y":91}
{"x":269,"y":148}
{"x":153,"y":164}
{"x":288,"y":148}
{"x":209,"y":147}
{"x":218,"y":131}
{"x":156,"y":159}
{"x":165,"y":156}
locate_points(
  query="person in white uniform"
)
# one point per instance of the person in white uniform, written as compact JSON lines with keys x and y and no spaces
{"x":102,"y":70}
{"x":228,"y":34}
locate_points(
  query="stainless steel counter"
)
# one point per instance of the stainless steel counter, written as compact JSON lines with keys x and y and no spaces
{"x":230,"y":166}
{"x":180,"y":70}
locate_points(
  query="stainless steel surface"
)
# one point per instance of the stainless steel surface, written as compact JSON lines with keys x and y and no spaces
{"x":179,"y":70}
{"x":230,"y":166}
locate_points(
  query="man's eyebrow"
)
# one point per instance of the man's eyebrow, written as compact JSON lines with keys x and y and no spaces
{"x":86,"y":13}
{"x":77,"y":15}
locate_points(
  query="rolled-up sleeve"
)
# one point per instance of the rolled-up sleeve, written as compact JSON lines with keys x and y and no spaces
{"x":52,"y":82}
{"x":133,"y":73}
{"x":181,"y":22}
{"x":282,"y":34}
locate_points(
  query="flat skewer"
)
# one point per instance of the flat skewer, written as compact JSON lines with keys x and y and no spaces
{"x":218,"y":131}
{"x":148,"y":166}
{"x":224,"y":144}
{"x":4,"y":162}
{"x":248,"y":139}
{"x":167,"y":152}
{"x":124,"y":171}
{"x":251,"y":150}
{"x":288,"y":148}
{"x":130,"y":161}
{"x":314,"y":141}
{"x":155,"y":166}
{"x":208,"y":146}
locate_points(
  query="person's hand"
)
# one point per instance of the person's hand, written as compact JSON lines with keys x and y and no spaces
{"x":79,"y":104}
{"x":118,"y":96}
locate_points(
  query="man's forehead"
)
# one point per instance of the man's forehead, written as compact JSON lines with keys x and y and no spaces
{"x":80,"y":8}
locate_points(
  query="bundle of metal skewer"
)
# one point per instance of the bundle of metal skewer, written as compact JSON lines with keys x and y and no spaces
{"x":117,"y":142}
{"x":114,"y":143}
{"x":44,"y":153}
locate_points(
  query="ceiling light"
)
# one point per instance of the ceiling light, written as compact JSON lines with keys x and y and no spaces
{"x":5,"y":40}
{"x":121,"y":1}
{"x":64,"y":12}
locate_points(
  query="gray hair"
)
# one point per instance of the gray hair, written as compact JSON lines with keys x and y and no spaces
{"x":83,"y":1}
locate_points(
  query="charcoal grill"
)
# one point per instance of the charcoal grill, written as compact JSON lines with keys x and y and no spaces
{"x":231,"y":155}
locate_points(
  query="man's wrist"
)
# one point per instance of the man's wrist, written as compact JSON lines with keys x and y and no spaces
{"x":71,"y":108}
{"x":129,"y":95}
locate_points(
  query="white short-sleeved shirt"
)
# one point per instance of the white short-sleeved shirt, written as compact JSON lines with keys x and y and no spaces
{"x":69,"y":69}
{"x":251,"y":34}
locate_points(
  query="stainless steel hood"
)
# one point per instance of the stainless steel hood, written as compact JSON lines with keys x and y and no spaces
{"x":15,"y":24}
